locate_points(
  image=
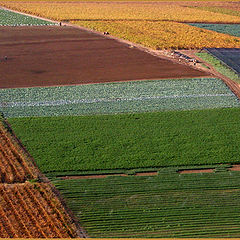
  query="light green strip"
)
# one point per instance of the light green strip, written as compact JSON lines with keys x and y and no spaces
{"x":108,"y":98}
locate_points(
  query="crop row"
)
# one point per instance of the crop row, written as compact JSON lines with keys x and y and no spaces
{"x":137,"y":96}
{"x":9,"y":18}
{"x":32,"y":211}
{"x":172,"y":205}
{"x":129,"y":141}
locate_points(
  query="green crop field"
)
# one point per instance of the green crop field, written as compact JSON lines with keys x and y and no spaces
{"x":108,"y":98}
{"x":167,"y":205}
{"x":8,"y":18}
{"x":231,"y":29}
{"x":128,"y":141}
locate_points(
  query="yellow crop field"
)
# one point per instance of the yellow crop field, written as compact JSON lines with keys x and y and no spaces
{"x":120,"y":11}
{"x":159,"y":25}
{"x":163,"y":35}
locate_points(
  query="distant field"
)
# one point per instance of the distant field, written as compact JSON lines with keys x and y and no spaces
{"x":219,"y":66}
{"x":156,"y":25}
{"x":229,"y":57}
{"x":8,"y":18}
{"x":162,"y":34}
{"x":128,"y":141}
{"x":108,"y":98}
{"x":167,"y":205}
{"x":231,"y":29}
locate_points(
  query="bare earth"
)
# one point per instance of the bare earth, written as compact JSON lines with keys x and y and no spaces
{"x":51,"y":56}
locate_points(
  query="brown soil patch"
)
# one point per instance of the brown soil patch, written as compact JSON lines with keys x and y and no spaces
{"x":209,"y":170}
{"x":53,"y":55}
{"x":235,"y":167}
{"x":107,"y":175}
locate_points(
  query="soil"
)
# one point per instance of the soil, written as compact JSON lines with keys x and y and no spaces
{"x":209,"y":170}
{"x":235,"y":167}
{"x":54,"y":55}
{"x":107,"y":175}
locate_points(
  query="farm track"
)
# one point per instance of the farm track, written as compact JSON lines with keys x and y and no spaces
{"x":29,"y":208}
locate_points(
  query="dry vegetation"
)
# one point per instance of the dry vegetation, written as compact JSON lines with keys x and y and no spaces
{"x":15,"y":165}
{"x":31,"y":210}
{"x":163,"y":35}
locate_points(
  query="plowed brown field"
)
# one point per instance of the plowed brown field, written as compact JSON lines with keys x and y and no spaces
{"x":30,"y":210}
{"x":53,"y":55}
{"x":14,"y":165}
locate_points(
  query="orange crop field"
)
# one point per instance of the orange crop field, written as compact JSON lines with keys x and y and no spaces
{"x":15,"y":166}
{"x":32,"y":211}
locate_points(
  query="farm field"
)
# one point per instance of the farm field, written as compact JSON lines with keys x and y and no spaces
{"x":219,"y":66}
{"x":29,"y":208}
{"x":231,"y":29}
{"x":9,"y":18}
{"x":15,"y":165}
{"x":167,"y":205}
{"x":128,"y":141}
{"x":228,"y":56}
{"x":158,"y":25}
{"x":149,"y":118}
{"x":109,"y":98}
{"x":50,"y":56}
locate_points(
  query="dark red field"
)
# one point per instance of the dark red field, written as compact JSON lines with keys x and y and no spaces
{"x":49,"y":56}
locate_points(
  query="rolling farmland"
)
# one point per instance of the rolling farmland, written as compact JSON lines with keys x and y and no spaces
{"x":219,"y":66}
{"x":86,"y":105}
